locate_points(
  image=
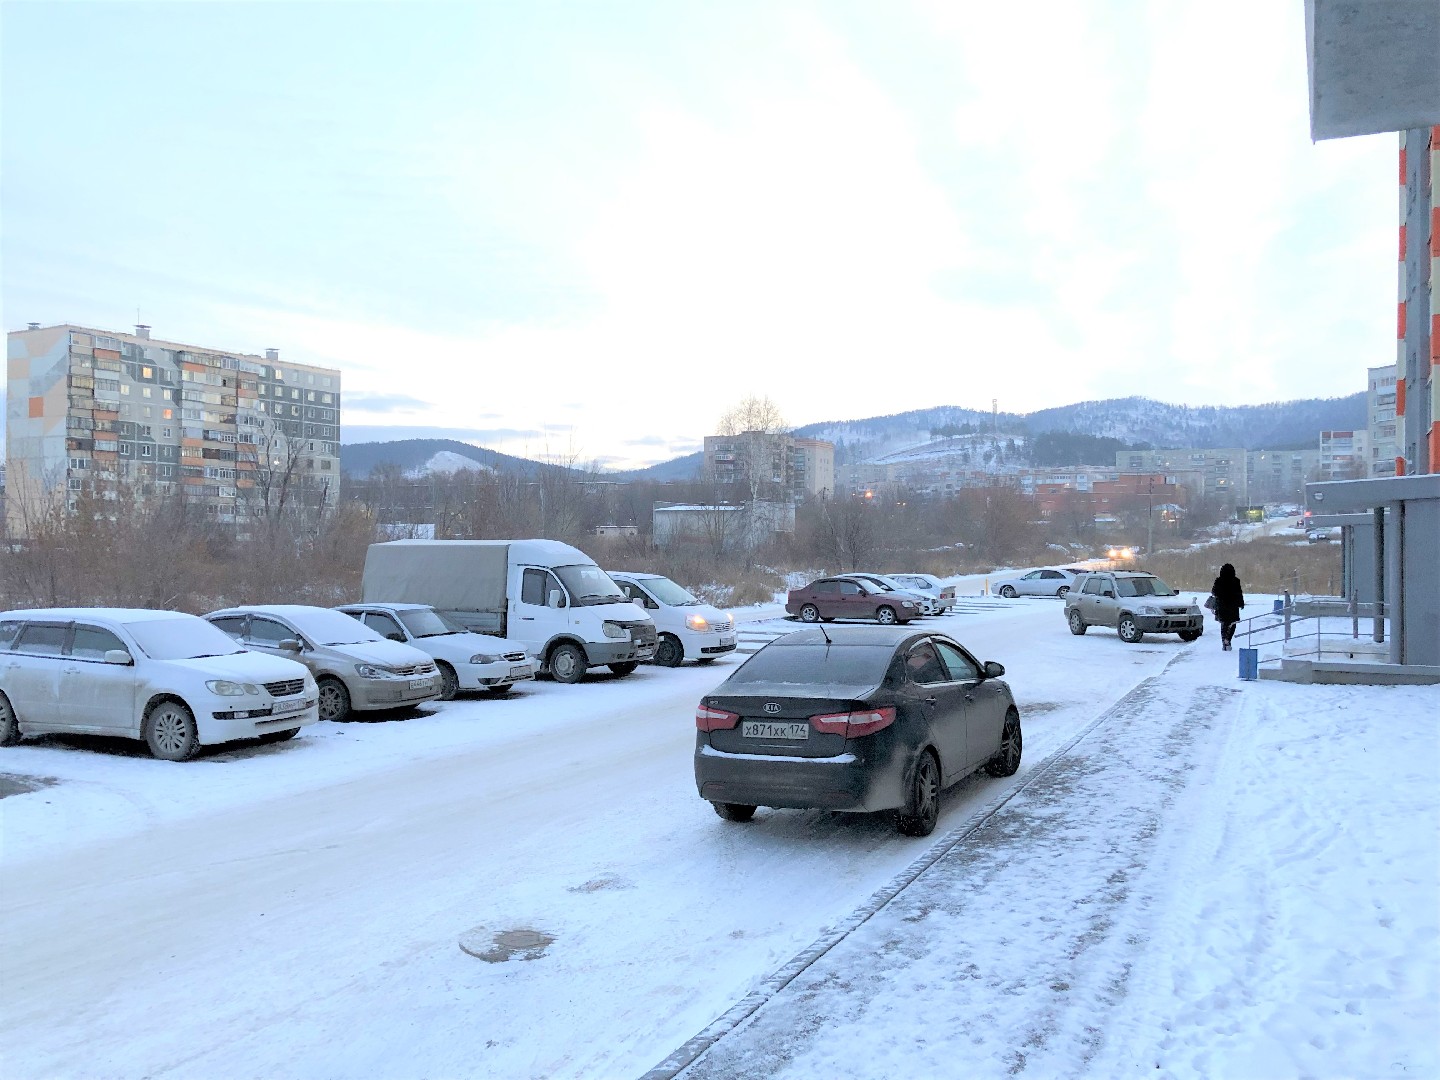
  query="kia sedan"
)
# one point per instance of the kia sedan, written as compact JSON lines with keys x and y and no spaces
{"x":166,"y":678}
{"x":856,"y":719}
{"x":850,"y":598}
{"x":466,"y":660}
{"x":354,"y":666}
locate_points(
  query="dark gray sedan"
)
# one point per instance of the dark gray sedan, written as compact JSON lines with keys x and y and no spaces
{"x":854,"y":718}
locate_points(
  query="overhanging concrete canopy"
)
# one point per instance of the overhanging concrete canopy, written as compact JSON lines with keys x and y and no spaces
{"x":1374,"y":65}
{"x":1351,"y":496}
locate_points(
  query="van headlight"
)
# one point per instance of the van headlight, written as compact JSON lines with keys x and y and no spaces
{"x":615,"y":630}
{"x":226,"y":688}
{"x":697,"y":622}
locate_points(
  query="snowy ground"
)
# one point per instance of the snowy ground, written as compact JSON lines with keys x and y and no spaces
{"x":1190,"y":876}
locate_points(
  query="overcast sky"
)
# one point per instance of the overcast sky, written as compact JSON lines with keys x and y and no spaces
{"x":588,"y":228}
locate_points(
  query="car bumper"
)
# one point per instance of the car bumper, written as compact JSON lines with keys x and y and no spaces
{"x":844,"y":782}
{"x":392,"y":693}
{"x":1169,"y":624}
{"x":226,"y":725}
{"x":501,"y":673}
{"x":618,"y":652}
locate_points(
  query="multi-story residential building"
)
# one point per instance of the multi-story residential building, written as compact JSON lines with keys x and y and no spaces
{"x":1344,"y":455}
{"x":1218,"y":473}
{"x":771,"y":464}
{"x":1279,"y":475}
{"x":1417,"y":383}
{"x":1385,"y":426}
{"x":234,"y":436}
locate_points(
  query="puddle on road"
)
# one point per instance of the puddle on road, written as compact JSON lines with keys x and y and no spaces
{"x":11,"y":784}
{"x":498,"y":946}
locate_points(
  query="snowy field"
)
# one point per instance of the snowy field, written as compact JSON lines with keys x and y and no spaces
{"x":1190,"y":876}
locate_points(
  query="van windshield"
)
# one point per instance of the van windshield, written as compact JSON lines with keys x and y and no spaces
{"x":588,"y":585}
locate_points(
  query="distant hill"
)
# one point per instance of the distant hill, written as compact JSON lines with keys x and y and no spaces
{"x":432,"y":455}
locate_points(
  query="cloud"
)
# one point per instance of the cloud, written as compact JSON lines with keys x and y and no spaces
{"x":383,"y":403}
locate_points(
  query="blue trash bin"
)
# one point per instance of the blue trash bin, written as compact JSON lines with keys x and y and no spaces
{"x":1250,"y":664}
{"x":1279,"y":606}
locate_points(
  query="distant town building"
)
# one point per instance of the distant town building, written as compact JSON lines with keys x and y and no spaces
{"x":1279,"y":475}
{"x":723,"y":526}
{"x":236,"y":437}
{"x":771,"y":465}
{"x":1385,"y":426}
{"x":1344,"y":455}
{"x":1218,"y":473}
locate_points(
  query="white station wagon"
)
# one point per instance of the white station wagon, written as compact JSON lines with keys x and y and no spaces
{"x":168,"y":678}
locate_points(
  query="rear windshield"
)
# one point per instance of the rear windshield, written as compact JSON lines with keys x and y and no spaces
{"x":830,"y":665}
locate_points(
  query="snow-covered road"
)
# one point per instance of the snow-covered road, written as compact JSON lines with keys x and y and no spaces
{"x":296,"y":910}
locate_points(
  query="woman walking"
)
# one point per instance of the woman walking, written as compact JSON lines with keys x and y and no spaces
{"x":1229,"y":599}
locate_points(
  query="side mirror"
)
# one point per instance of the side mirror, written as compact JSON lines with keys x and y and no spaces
{"x":118,"y":656}
{"x":290,"y":644}
{"x":555,"y":600}
{"x":1108,"y":592}
{"x":993,"y":670}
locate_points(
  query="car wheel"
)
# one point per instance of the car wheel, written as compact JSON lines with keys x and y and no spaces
{"x":1077,"y":623}
{"x":169,"y":730}
{"x":567,"y":663}
{"x":279,"y":736}
{"x":1007,"y":759}
{"x":334,"y":699}
{"x":886,"y":616}
{"x":1190,"y":635}
{"x":449,"y":682}
{"x":809,"y":613}
{"x":922,"y":807}
{"x":1128,"y":629}
{"x":734,"y":811}
{"x":1062,"y":591}
{"x":670,"y":652}
{"x":1008,"y":591}
{"x":625,"y":667}
{"x":9,"y":723}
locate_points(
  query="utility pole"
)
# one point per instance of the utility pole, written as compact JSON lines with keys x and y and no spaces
{"x":1150,"y":537}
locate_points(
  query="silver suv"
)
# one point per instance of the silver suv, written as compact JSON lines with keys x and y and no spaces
{"x":1135,"y":604}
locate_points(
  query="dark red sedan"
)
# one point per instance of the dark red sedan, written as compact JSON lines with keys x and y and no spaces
{"x":849,"y":598}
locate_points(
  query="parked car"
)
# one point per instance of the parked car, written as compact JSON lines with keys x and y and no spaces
{"x":850,"y":598}
{"x":465,"y":660}
{"x":940,"y":595}
{"x":1047,"y":582}
{"x":1319,"y":536}
{"x":687,"y":627}
{"x":354,"y":667}
{"x":856,"y":719}
{"x":889,"y":584}
{"x":1134,"y":603}
{"x":169,"y":679}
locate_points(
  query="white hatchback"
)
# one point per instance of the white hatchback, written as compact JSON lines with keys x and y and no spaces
{"x":164,"y":677}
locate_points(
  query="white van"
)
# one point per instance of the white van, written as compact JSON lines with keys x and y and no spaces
{"x":688,"y":628}
{"x":549,"y":596}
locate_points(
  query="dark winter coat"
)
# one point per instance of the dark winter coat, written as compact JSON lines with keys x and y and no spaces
{"x":1229,"y":598}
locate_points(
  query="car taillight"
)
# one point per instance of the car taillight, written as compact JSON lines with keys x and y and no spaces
{"x":948,"y":592}
{"x":708,"y":719}
{"x":854,"y":724}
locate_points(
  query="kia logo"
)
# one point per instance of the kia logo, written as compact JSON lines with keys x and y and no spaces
{"x":772,"y":707}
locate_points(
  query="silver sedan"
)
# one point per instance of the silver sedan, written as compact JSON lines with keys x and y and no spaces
{"x":1036,"y":583}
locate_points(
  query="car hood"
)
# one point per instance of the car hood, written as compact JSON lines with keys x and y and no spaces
{"x":254,"y":667}
{"x":458,"y":648}
{"x":382,"y":652}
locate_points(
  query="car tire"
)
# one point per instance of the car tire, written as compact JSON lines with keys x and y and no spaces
{"x":9,"y":723}
{"x":449,"y":682}
{"x":734,"y":811}
{"x":1012,"y":744}
{"x":1063,"y":591}
{"x":885,"y":615}
{"x":567,"y":663}
{"x":922,"y":803}
{"x":670,"y":652}
{"x":1077,"y":622}
{"x":169,"y":731}
{"x":1128,"y":629}
{"x":279,"y":736}
{"x":624,"y":667}
{"x":1191,"y":635}
{"x":334,"y":699}
{"x":1008,"y":592}
{"x":809,"y":613}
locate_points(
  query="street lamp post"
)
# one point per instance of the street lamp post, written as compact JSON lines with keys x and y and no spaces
{"x":1150,"y":521}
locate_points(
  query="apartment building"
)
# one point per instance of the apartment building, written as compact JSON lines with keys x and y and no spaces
{"x":771,"y":464}
{"x":1344,"y":455}
{"x":1279,"y":475}
{"x":1218,"y":473}
{"x":235,"y":436}
{"x":1385,"y":426}
{"x":1417,"y":387}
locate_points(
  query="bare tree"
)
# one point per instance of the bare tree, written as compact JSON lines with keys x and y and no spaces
{"x":753,"y":414}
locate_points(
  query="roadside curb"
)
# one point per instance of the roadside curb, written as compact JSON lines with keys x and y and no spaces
{"x":687,"y":1054}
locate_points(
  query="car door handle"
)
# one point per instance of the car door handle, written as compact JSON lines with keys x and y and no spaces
{"x":929,"y":700}
{"x":527,"y":618}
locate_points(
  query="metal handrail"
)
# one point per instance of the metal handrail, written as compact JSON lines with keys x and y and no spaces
{"x":1297,"y":619}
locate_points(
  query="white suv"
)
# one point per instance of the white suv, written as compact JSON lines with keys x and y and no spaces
{"x":168,"y":678}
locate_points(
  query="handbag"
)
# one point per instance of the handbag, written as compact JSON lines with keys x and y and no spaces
{"x":1210,"y":602}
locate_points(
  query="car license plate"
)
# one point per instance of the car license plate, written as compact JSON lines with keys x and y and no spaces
{"x":520,"y":671}
{"x":419,"y":684}
{"x":727,"y":639}
{"x":775,"y":729}
{"x":285,"y":708}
